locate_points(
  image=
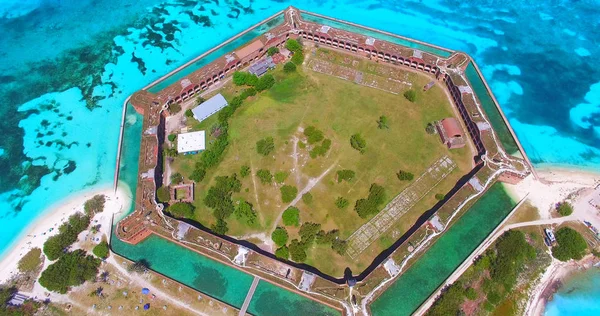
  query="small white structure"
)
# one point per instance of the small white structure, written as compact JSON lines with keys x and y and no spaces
{"x":209,"y":107}
{"x":191,"y":143}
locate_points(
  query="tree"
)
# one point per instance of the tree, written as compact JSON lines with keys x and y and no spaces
{"x":176,"y":178}
{"x":280,"y":236}
{"x":293,"y":45}
{"x":265,"y":176}
{"x":341,"y":203}
{"x":240,"y":78}
{"x":320,"y":150}
{"x":313,"y":135}
{"x":265,"y":146}
{"x":291,"y":216}
{"x":571,"y":245}
{"x":282,"y":252}
{"x":174,"y":108}
{"x":308,"y":232}
{"x":326,"y":238}
{"x":101,"y":250}
{"x":512,"y":251}
{"x":298,"y":58}
{"x":358,"y":143}
{"x":220,"y":227}
{"x":565,"y":209}
{"x":280,"y":176}
{"x":405,"y":175}
{"x":307,"y":198}
{"x":245,"y":209}
{"x":218,"y":196}
{"x":372,"y":204}
{"x":55,"y":246}
{"x":410,"y":95}
{"x":265,"y":82}
{"x":172,"y":137}
{"x":94,"y":205}
{"x":339,"y":246}
{"x":345,"y":175}
{"x":30,"y":261}
{"x":163,"y":195}
{"x":189,"y":113}
{"x":289,"y":67}
{"x":244,"y":171}
{"x":440,"y":196}
{"x":72,"y":269}
{"x":288,"y":193}
{"x":181,"y":210}
{"x":297,"y":251}
{"x":272,"y":51}
{"x":382,"y":123}
{"x":198,"y":175}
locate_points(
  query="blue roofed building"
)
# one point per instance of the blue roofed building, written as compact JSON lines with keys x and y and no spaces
{"x":209,"y":107}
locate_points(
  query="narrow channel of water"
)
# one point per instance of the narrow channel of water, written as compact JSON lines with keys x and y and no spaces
{"x":254,"y":33}
{"x":366,"y":32}
{"x":413,"y":287}
{"x":492,"y":112}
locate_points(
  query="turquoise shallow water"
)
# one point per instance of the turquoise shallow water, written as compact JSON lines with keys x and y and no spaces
{"x":413,"y":287}
{"x":270,"y":300}
{"x":578,"y":296}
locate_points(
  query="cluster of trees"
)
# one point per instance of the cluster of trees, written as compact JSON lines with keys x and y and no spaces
{"x":503,"y":263}
{"x":288,"y":193}
{"x":101,"y":250}
{"x":313,"y":135}
{"x":295,"y":47}
{"x":94,"y":205}
{"x":405,"y":175}
{"x":382,"y":123}
{"x":372,"y":204}
{"x":411,"y":95}
{"x":57,"y":245}
{"x":265,"y":146}
{"x":345,"y":175}
{"x":245,"y":210}
{"x":564,"y":209}
{"x":320,"y":150}
{"x":199,"y":173}
{"x":264,"y":176}
{"x":241,"y":78}
{"x":358,"y":143}
{"x":219,"y":199}
{"x":291,"y":216}
{"x":309,"y":234}
{"x":181,"y":210}
{"x":71,"y":269}
{"x":571,"y":245}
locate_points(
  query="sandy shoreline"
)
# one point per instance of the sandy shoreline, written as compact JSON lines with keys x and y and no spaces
{"x":47,"y":224}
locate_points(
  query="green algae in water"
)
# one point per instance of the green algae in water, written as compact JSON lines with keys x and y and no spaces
{"x":508,"y":142}
{"x":272,"y":300}
{"x":190,"y":268}
{"x":413,"y":287}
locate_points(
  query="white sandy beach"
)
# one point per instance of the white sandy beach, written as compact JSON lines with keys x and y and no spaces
{"x":48,"y":222}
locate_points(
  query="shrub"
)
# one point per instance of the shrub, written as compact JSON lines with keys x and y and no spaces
{"x":163,"y":195}
{"x":440,"y":196}
{"x":176,"y":178}
{"x":244,"y":171}
{"x":265,"y":176}
{"x":410,"y":95}
{"x":289,"y":67}
{"x":372,"y":204}
{"x":293,"y":45}
{"x":307,"y":198}
{"x":272,"y":51}
{"x":172,"y":137}
{"x":282,"y":253}
{"x":198,"y":175}
{"x":565,"y":209}
{"x":94,"y":205}
{"x":101,"y":250}
{"x":297,"y":251}
{"x":405,"y":175}
{"x":571,"y":245}
{"x":265,"y":82}
{"x":31,"y":260}
{"x":288,"y":193}
{"x":72,"y":269}
{"x":174,"y":108}
{"x":345,"y":175}
{"x":280,"y":236}
{"x":245,"y":209}
{"x":189,"y":113}
{"x":291,"y":216}
{"x":280,"y":176}
{"x":382,"y":123}
{"x":430,"y":129}
{"x":265,"y":146}
{"x":341,"y":203}
{"x":358,"y":143}
{"x":181,"y":210}
{"x":313,"y":135}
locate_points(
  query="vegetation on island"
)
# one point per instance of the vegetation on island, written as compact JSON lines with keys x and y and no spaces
{"x":571,"y":245}
{"x":219,"y":199}
{"x":565,"y":209}
{"x":373,"y":203}
{"x":71,"y":269}
{"x":265,"y":176}
{"x":291,"y":216}
{"x":101,"y":250}
{"x":94,"y":205}
{"x":282,"y":252}
{"x":289,"y":67}
{"x":280,"y":236}
{"x":358,"y":143}
{"x":57,"y":245}
{"x":296,"y":49}
{"x":181,"y":210}
{"x":245,"y":210}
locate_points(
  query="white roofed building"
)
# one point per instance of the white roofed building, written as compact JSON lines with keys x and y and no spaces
{"x":191,"y":143}
{"x":209,"y":107}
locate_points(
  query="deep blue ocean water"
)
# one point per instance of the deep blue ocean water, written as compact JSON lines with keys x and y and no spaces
{"x":66,"y":66}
